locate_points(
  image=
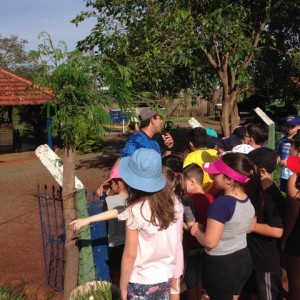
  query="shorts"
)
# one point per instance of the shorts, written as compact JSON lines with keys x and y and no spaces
{"x":115,"y":257}
{"x":266,"y":285}
{"x":159,"y":291}
{"x":226,"y":275}
{"x":194,"y":269}
{"x":283,"y":184}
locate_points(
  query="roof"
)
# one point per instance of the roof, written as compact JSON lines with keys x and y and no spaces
{"x":15,"y":90}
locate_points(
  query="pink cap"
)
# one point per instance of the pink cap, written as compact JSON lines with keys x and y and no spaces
{"x":219,"y":167}
{"x":293,"y":163}
{"x":114,"y":174}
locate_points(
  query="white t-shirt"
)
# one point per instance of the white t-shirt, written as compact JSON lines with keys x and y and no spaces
{"x":159,"y":255}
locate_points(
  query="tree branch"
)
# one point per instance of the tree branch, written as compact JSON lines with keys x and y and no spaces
{"x":260,"y":30}
{"x":210,"y":59}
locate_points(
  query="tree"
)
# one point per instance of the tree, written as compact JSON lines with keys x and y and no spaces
{"x":14,"y":58}
{"x":179,"y":44}
{"x":78,"y":101}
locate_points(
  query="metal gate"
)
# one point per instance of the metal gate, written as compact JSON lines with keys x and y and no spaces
{"x":53,"y":234}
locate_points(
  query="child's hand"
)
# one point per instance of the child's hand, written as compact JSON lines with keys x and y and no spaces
{"x":195,"y":228}
{"x":79,"y":223}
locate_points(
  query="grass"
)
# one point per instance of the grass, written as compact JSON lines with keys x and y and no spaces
{"x":7,"y":294}
{"x":97,"y":291}
{"x":178,"y":119}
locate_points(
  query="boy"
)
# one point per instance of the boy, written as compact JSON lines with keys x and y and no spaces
{"x":193,"y":177}
{"x":264,"y":241}
{"x":256,"y":135}
{"x":291,"y":127}
{"x":200,"y":153}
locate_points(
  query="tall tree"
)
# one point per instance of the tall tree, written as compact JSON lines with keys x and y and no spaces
{"x":170,"y":45}
{"x":78,"y":101}
{"x":14,"y":57}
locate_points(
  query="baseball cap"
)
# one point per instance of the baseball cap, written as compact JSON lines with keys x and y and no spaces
{"x":227,"y":143}
{"x":146,"y":113}
{"x":264,"y":158}
{"x":114,"y":174}
{"x":293,"y":120}
{"x":293,"y":163}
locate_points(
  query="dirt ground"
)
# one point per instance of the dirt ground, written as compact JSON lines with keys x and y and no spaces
{"x":21,"y":257}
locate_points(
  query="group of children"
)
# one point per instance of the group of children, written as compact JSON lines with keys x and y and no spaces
{"x":211,"y":222}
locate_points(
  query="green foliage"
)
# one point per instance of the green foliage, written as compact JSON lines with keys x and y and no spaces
{"x":83,"y":89}
{"x":7,"y":294}
{"x":90,"y":141}
{"x":173,"y":45}
{"x":14,"y":58}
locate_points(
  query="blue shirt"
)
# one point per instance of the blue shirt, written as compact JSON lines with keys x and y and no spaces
{"x":139,"y":140}
{"x":284,"y":152}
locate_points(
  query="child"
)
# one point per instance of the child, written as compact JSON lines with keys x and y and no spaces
{"x":256,"y":135}
{"x":153,"y":239}
{"x":197,"y":141}
{"x":175,"y":182}
{"x":291,"y":232}
{"x":228,"y":262}
{"x":291,"y":126}
{"x":193,"y":175}
{"x":116,"y":230}
{"x":264,"y":241}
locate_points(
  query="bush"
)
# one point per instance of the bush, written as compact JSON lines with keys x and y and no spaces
{"x":90,"y":144}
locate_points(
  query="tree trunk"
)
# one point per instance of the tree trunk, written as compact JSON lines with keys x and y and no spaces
{"x":225,"y":126}
{"x":230,"y":116}
{"x":234,"y":117}
{"x":71,"y":266}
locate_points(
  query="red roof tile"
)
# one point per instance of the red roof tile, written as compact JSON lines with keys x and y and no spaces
{"x":14,"y":90}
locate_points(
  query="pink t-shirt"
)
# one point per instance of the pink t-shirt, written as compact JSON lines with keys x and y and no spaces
{"x":159,"y":254}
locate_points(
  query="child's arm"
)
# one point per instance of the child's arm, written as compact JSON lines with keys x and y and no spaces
{"x":128,"y":259}
{"x":212,"y":236}
{"x":292,"y":208}
{"x":104,"y":216}
{"x":267,"y":230}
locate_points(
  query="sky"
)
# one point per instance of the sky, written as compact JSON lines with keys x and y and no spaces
{"x":27,"y":18}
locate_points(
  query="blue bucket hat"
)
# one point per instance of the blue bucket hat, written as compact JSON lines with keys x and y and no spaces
{"x":143,"y":170}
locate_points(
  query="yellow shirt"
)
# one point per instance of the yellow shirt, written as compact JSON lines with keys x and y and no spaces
{"x":199,"y":157}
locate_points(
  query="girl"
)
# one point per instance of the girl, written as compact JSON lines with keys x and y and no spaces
{"x":153,"y":245}
{"x":116,"y":230}
{"x":228,"y":261}
{"x":176,"y":183}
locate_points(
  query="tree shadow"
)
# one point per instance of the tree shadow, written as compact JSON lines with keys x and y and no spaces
{"x":107,"y":156}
